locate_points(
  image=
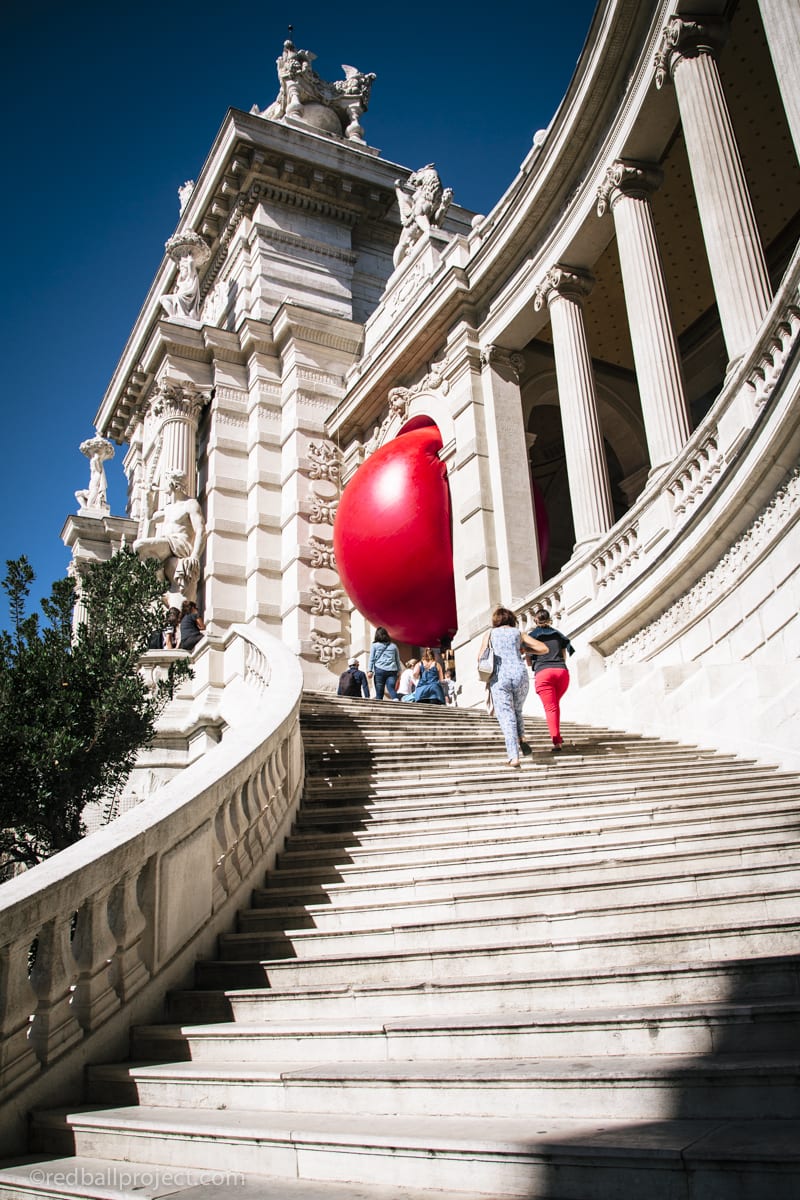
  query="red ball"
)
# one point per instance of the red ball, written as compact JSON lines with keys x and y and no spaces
{"x":393,"y":540}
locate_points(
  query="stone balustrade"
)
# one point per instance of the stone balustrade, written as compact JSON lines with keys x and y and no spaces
{"x":93,"y":937}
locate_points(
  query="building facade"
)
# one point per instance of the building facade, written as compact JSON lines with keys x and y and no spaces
{"x":610,"y":356}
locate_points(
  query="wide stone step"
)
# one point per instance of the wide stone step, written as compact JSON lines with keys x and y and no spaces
{"x":670,"y":863}
{"x":677,"y":1029}
{"x":531,"y":923}
{"x":706,"y":983}
{"x":522,"y":1158}
{"x":694,"y":943}
{"x":565,"y":853}
{"x":109,"y":1179}
{"x":540,"y":819}
{"x":531,"y":897}
{"x":565,"y":837}
{"x":626,"y":1087}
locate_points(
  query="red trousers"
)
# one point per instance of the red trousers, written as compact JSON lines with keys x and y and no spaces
{"x":550,"y":684}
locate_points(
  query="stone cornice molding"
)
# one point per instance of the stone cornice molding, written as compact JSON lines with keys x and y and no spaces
{"x":287,"y":238}
{"x":627,"y":178}
{"x":686,"y":39}
{"x":508,"y":360}
{"x":571,"y":283}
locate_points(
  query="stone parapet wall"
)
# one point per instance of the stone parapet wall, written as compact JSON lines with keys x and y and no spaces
{"x":110,"y":924}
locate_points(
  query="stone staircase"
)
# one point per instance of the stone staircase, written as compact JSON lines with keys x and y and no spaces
{"x":579,"y":980}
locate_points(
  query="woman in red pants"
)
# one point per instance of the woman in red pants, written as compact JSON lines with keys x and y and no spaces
{"x":550,"y":674}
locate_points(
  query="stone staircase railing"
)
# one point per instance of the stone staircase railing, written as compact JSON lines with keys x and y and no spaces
{"x":93,"y":937}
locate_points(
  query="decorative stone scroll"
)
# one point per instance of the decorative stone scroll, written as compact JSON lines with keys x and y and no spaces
{"x":327,"y":601}
{"x":423,"y":203}
{"x":304,"y":98}
{"x":400,"y":398}
{"x":325,"y":461}
{"x":321,"y":554}
{"x":625,"y":178}
{"x":327,"y":649}
{"x":686,"y":39}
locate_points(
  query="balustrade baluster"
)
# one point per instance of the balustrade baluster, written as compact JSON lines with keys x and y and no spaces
{"x":54,"y":1027}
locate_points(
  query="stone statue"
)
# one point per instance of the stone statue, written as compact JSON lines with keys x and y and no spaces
{"x":189,"y":251}
{"x":98,"y":451}
{"x":423,"y":203}
{"x":175,"y":535}
{"x":330,"y":108}
{"x":185,"y":194}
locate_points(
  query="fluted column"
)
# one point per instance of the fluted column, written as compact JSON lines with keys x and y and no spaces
{"x":658,"y":368}
{"x":563,"y":290}
{"x":735,"y":257}
{"x":781,"y":20}
{"x":178,"y":407}
{"x":509,"y":471}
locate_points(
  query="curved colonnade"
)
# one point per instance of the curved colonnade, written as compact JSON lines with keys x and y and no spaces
{"x":640,"y":366}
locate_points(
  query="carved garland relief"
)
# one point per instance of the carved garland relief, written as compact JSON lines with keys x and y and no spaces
{"x":327,"y":599}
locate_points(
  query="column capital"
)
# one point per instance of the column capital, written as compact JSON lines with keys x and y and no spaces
{"x":686,"y":39}
{"x":572,"y":283}
{"x":627,"y":178}
{"x":174,"y":399}
{"x":508,"y":359}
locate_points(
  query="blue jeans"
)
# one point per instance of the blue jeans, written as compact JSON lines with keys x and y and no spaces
{"x":385,"y":679}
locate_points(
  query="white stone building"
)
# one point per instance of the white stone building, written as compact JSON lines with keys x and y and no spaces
{"x":620,"y":330}
{"x":618,"y":336}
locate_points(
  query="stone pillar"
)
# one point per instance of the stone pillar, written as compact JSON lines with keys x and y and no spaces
{"x":177,"y":408}
{"x":781,"y":19}
{"x":658,"y":368}
{"x":563,"y":290}
{"x":735,"y":257}
{"x":509,"y":471}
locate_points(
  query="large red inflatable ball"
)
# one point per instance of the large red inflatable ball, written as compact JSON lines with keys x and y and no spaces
{"x":393,"y":540}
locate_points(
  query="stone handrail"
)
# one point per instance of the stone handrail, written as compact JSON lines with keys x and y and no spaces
{"x":93,"y":937}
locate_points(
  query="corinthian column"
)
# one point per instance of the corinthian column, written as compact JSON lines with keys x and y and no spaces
{"x":658,"y":369}
{"x":177,"y":406}
{"x":563,"y":290}
{"x":741,"y":284}
{"x":781,"y":20}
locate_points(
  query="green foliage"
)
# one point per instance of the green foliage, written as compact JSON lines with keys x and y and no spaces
{"x":74,"y":710}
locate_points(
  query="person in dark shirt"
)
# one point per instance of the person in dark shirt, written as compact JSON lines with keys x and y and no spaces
{"x":550,"y":674}
{"x":353,"y":681}
{"x":191,"y":626}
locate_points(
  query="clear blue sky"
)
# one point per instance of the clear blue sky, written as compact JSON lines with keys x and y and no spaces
{"x":110,"y":107}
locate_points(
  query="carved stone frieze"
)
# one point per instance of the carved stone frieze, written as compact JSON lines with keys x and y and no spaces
{"x":323,"y":512}
{"x":321,"y":554}
{"x":327,"y":601}
{"x":327,"y":649}
{"x":686,"y":39}
{"x":570,"y":282}
{"x":768,"y":525}
{"x":625,"y":178}
{"x":324,"y":461}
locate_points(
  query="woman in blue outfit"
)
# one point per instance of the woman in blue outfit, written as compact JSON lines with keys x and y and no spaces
{"x":429,"y":677}
{"x":509,"y":681}
{"x":384,"y":664}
